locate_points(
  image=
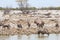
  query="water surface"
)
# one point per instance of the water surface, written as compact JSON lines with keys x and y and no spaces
{"x":31,"y":37}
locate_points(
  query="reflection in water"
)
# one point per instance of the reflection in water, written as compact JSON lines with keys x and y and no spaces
{"x":31,"y":37}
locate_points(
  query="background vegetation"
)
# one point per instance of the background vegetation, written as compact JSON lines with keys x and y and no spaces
{"x":33,"y":8}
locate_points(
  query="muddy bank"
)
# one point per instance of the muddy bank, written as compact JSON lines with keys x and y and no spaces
{"x":28,"y":31}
